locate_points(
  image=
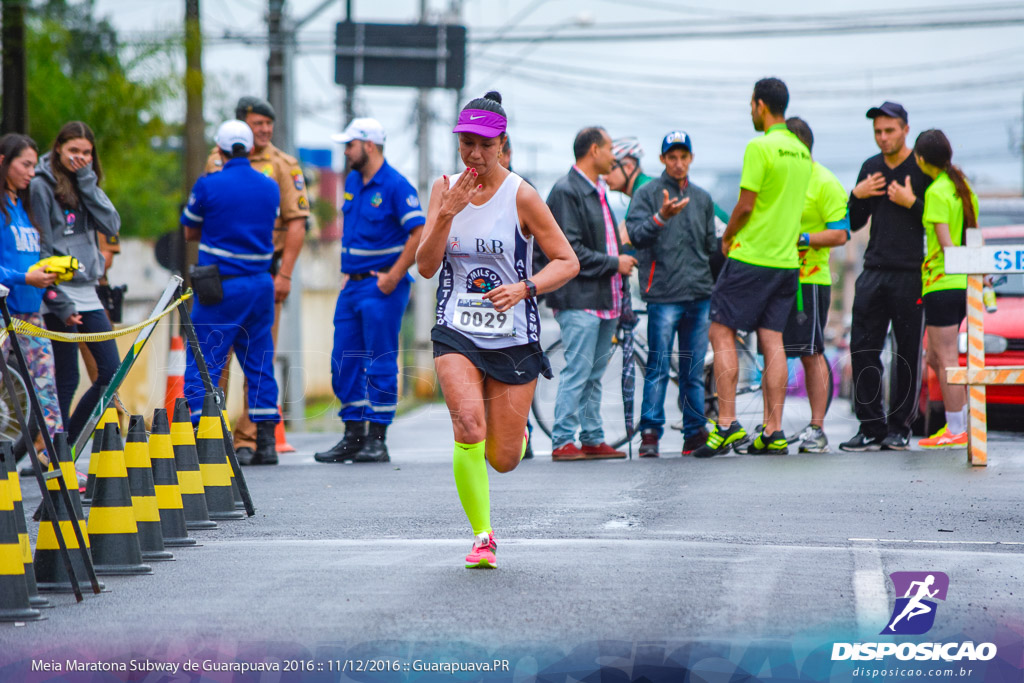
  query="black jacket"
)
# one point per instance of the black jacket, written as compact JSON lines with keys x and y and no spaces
{"x":897,"y":234}
{"x":673,"y":259}
{"x":576,"y":206}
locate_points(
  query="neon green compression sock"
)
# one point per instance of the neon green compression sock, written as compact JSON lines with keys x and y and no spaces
{"x":526,"y":440}
{"x":470,"y":467}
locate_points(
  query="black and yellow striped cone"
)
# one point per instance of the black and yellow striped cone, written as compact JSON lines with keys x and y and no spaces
{"x":213,"y":463}
{"x":235,"y":493}
{"x":112,"y":529}
{"x":51,"y":573}
{"x":109,"y":415}
{"x":165,"y":483}
{"x":140,"y":481}
{"x":14,"y":604}
{"x":190,"y":479}
{"x":14,"y":486}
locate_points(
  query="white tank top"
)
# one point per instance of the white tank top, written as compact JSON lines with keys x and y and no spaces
{"x":487,"y":249}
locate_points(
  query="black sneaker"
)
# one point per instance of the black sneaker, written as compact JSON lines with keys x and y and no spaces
{"x":692,"y":443}
{"x":720,"y":440}
{"x":773,"y":444}
{"x":896,"y":442}
{"x":861,"y":442}
{"x":648,"y":444}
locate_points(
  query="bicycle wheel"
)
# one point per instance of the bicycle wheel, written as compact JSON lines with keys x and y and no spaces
{"x":9,"y":427}
{"x":797,"y":412}
{"x":612,"y":415}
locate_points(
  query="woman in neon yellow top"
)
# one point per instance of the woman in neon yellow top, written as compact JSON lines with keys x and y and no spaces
{"x":950,"y":206}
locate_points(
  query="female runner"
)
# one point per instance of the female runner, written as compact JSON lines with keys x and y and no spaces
{"x":480,"y":232}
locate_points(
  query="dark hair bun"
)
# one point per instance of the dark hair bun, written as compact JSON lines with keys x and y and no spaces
{"x":493,"y":95}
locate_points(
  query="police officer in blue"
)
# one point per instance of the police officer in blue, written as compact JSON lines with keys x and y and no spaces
{"x":383,"y":221}
{"x":231,"y":214}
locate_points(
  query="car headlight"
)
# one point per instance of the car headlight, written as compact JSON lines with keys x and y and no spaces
{"x":994,"y":344}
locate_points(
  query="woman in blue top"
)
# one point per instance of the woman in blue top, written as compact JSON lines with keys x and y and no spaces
{"x":19,"y":251}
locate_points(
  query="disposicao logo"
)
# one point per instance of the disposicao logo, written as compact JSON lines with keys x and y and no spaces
{"x":914,"y":613}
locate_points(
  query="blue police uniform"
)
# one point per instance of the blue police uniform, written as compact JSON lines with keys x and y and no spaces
{"x":364,"y":369}
{"x":236,"y":209}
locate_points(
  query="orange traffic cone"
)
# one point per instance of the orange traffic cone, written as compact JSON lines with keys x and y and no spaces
{"x":213,"y":463}
{"x":175,"y":374}
{"x":14,"y":486}
{"x":140,"y":481}
{"x":112,"y":528}
{"x":14,"y":604}
{"x":165,"y":483}
{"x":109,"y":415}
{"x":51,"y":572}
{"x":190,"y":478}
{"x":281,"y":444}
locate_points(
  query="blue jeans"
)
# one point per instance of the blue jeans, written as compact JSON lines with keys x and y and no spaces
{"x":664,"y":321}
{"x":587,"y":341}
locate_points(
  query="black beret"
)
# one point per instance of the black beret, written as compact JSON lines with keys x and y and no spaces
{"x":253,"y":105}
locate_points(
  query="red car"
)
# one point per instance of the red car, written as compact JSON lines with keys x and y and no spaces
{"x":1004,"y":344}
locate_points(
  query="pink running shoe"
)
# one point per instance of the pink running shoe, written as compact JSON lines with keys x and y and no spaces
{"x":482,"y":554}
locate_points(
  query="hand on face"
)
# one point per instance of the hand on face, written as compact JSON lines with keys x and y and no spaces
{"x":76,"y":153}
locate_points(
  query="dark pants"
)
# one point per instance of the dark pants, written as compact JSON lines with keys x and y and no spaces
{"x":65,"y":361}
{"x":883,"y":297}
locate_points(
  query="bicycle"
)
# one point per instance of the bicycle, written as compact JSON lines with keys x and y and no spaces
{"x":10,"y":430}
{"x":749,"y":397}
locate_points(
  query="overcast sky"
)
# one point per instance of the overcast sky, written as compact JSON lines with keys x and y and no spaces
{"x":968,"y":82}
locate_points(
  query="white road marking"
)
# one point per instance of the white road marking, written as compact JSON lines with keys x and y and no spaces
{"x":904,"y":540}
{"x":870,"y":597}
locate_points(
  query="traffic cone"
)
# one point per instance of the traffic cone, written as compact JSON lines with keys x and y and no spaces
{"x":51,"y":573}
{"x":14,"y":486}
{"x":190,"y":478}
{"x":213,"y":463}
{"x":165,"y":483}
{"x":14,"y":604}
{"x":112,"y":528}
{"x":235,"y":493}
{"x":109,"y":415}
{"x":175,"y":374}
{"x":281,"y":444}
{"x":140,"y":481}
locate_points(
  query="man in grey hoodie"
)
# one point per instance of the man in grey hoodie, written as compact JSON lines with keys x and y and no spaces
{"x":70,"y":210}
{"x":671,"y":222}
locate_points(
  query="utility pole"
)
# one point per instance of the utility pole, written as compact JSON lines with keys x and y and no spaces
{"x":15,"y":99}
{"x":423,"y":310}
{"x":349,"y":105}
{"x":278,"y":73}
{"x":195,"y":142}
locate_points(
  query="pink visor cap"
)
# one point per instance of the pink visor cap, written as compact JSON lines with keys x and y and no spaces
{"x":482,"y":122}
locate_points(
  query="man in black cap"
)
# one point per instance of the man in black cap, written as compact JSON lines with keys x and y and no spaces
{"x":890,"y":192}
{"x":289,"y":229}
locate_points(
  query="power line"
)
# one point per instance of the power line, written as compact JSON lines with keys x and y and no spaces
{"x":773,"y":32}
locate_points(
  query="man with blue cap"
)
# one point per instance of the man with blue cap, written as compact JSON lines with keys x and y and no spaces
{"x":382,"y":225}
{"x":671,"y":222}
{"x":231,"y":214}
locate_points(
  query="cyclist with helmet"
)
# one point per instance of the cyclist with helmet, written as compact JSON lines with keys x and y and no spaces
{"x":626,"y":176}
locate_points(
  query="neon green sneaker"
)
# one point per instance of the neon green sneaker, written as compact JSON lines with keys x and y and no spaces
{"x":774,"y":444}
{"x":720,"y":440}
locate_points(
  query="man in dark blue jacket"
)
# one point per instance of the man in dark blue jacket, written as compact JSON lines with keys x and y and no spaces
{"x":671,"y":222}
{"x":231,"y":214}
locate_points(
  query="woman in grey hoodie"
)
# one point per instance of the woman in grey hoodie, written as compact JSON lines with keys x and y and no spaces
{"x":70,"y":210}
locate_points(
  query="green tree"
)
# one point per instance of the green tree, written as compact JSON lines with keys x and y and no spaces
{"x":78,"y":70}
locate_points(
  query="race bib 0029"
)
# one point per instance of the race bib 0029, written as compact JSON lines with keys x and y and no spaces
{"x":476,"y":316}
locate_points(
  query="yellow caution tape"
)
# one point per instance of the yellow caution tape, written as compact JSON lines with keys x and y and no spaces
{"x":29,"y":330}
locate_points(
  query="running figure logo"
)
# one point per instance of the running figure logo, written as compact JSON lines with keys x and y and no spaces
{"x":914,"y":613}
